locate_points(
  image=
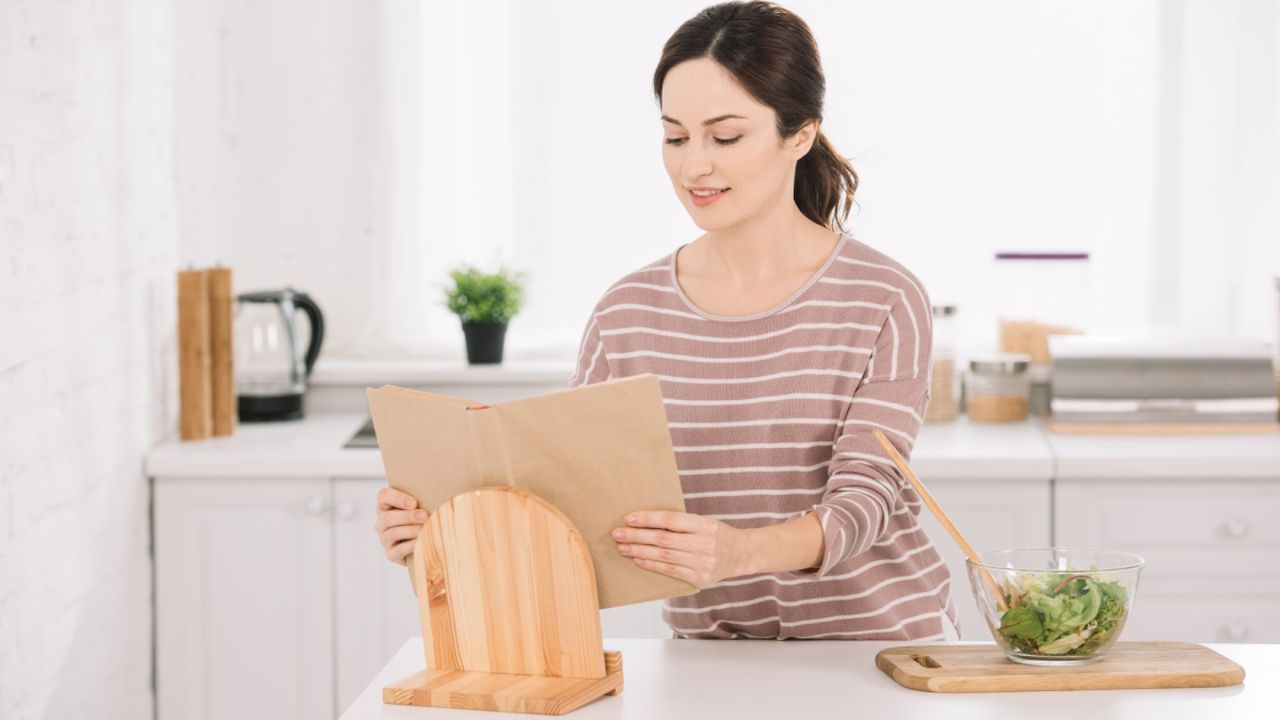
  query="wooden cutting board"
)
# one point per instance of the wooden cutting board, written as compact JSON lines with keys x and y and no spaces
{"x":958,"y":668}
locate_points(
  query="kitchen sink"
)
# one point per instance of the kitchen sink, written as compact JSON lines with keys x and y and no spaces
{"x":364,"y":437}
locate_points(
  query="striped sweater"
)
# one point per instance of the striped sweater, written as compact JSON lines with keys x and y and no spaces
{"x":771,"y":417}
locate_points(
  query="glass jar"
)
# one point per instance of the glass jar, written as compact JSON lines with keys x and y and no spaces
{"x":1041,"y":294}
{"x":943,"y":378}
{"x":998,"y":387}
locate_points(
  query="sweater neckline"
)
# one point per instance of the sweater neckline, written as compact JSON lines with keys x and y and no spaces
{"x":675,"y":284}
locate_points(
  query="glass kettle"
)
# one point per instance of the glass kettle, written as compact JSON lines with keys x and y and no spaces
{"x":271,"y":367}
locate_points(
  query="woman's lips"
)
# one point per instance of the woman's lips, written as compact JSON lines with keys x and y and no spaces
{"x":697,"y":200}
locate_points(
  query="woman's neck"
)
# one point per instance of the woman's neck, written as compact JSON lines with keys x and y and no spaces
{"x":762,"y":249}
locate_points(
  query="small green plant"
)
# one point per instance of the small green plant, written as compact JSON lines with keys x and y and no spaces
{"x":485,"y":298}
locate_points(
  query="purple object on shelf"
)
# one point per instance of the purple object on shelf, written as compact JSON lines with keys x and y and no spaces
{"x":1042,"y":256}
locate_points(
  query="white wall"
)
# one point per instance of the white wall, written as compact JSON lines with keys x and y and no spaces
{"x":362,"y":150}
{"x":87,"y":253}
{"x":282,"y":149}
{"x":1219,"y":177}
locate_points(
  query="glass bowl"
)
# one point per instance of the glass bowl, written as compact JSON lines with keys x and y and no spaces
{"x":1065,"y":606}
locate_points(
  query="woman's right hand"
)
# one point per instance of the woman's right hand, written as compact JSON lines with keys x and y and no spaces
{"x":398,"y":524}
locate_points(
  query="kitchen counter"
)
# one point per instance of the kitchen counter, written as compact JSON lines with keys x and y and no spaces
{"x":312,"y":447}
{"x":703,"y":679}
{"x":1078,"y":456}
{"x":956,"y":450}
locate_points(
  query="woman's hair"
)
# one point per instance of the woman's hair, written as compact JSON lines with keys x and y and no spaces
{"x":773,"y":56}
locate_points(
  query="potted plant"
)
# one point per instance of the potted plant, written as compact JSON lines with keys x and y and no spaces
{"x":485,"y":303}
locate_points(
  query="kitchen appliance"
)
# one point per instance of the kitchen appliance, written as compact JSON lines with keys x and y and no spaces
{"x":1161,"y":379}
{"x":271,"y":365}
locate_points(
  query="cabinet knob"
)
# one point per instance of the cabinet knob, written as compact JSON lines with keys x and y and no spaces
{"x":1237,"y":630}
{"x":346,"y":510}
{"x":1235,"y":528}
{"x":317,"y":504}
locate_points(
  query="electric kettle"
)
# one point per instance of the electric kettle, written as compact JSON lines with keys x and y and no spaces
{"x":271,"y":368}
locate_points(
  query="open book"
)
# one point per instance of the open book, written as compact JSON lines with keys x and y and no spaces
{"x":596,"y":452}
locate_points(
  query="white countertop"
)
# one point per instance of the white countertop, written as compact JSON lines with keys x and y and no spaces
{"x":957,"y":450}
{"x":707,"y":679}
{"x":1167,"y":456}
{"x":552,"y":368}
{"x":312,"y":447}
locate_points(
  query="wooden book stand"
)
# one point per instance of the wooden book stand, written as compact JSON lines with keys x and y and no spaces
{"x":509,"y":609}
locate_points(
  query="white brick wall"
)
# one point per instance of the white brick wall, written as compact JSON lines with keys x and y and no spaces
{"x":87,"y":253}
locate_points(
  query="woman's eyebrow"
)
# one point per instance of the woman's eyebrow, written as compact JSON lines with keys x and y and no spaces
{"x":712,"y":121}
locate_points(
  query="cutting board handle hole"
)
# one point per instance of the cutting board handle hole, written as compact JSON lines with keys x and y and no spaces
{"x":926,"y":661}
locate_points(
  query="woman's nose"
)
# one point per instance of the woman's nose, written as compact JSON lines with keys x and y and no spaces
{"x":696,"y":167}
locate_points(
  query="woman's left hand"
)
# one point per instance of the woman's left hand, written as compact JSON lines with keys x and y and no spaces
{"x":694,"y":548}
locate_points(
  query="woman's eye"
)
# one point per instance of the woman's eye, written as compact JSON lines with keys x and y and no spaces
{"x":721,"y":141}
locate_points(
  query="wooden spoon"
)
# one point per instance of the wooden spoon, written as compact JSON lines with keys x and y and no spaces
{"x":942,"y":517}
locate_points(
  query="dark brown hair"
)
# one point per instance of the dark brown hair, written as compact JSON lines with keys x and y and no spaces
{"x":772,"y":55}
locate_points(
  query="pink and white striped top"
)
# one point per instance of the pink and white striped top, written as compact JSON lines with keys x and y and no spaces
{"x":771,"y":417}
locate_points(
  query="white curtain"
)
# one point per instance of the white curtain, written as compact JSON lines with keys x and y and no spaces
{"x":1143,"y":132}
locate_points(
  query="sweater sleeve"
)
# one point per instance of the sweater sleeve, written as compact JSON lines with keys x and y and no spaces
{"x":592,"y":365}
{"x":864,"y":487}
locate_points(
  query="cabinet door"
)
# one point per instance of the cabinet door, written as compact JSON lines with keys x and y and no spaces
{"x":1211,"y":549}
{"x":243,"y":598}
{"x":376,"y":610}
{"x":992,"y":514}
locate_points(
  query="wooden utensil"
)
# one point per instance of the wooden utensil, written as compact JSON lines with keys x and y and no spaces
{"x":221,"y":320}
{"x":985,"y":668}
{"x":195,"y":360}
{"x":942,"y":517}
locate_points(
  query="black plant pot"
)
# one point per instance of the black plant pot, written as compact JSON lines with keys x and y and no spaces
{"x":484,"y":342}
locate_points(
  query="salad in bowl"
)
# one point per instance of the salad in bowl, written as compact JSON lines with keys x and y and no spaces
{"x":1055,"y":606}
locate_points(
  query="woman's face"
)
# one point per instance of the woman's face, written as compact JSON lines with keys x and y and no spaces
{"x":739,"y":150}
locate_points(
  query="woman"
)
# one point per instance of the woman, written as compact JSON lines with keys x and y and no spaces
{"x":781,"y":343}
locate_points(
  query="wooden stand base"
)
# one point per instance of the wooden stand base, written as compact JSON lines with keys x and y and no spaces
{"x":472,"y":690}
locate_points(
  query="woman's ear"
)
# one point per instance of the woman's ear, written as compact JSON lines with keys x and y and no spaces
{"x":802,"y":142}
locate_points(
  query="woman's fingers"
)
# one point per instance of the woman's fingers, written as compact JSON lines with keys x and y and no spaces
{"x":399,"y":520}
{"x":657,"y":538}
{"x":392,"y":535}
{"x":398,"y":541}
{"x":390,"y":498}
{"x":400,"y":551}
{"x":667,"y":520}
{"x":680,"y":572}
{"x":661,"y":554}
{"x":391,"y":518}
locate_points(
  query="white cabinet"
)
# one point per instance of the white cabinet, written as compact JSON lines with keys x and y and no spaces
{"x":244,"y":604}
{"x":1212,"y":552}
{"x":274,"y":598}
{"x":375,"y":609}
{"x":991,"y":514}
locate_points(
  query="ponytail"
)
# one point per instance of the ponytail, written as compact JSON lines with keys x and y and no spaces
{"x":825,"y":184}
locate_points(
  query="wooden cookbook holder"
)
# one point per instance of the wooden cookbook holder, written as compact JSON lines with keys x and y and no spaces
{"x":509,"y":609}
